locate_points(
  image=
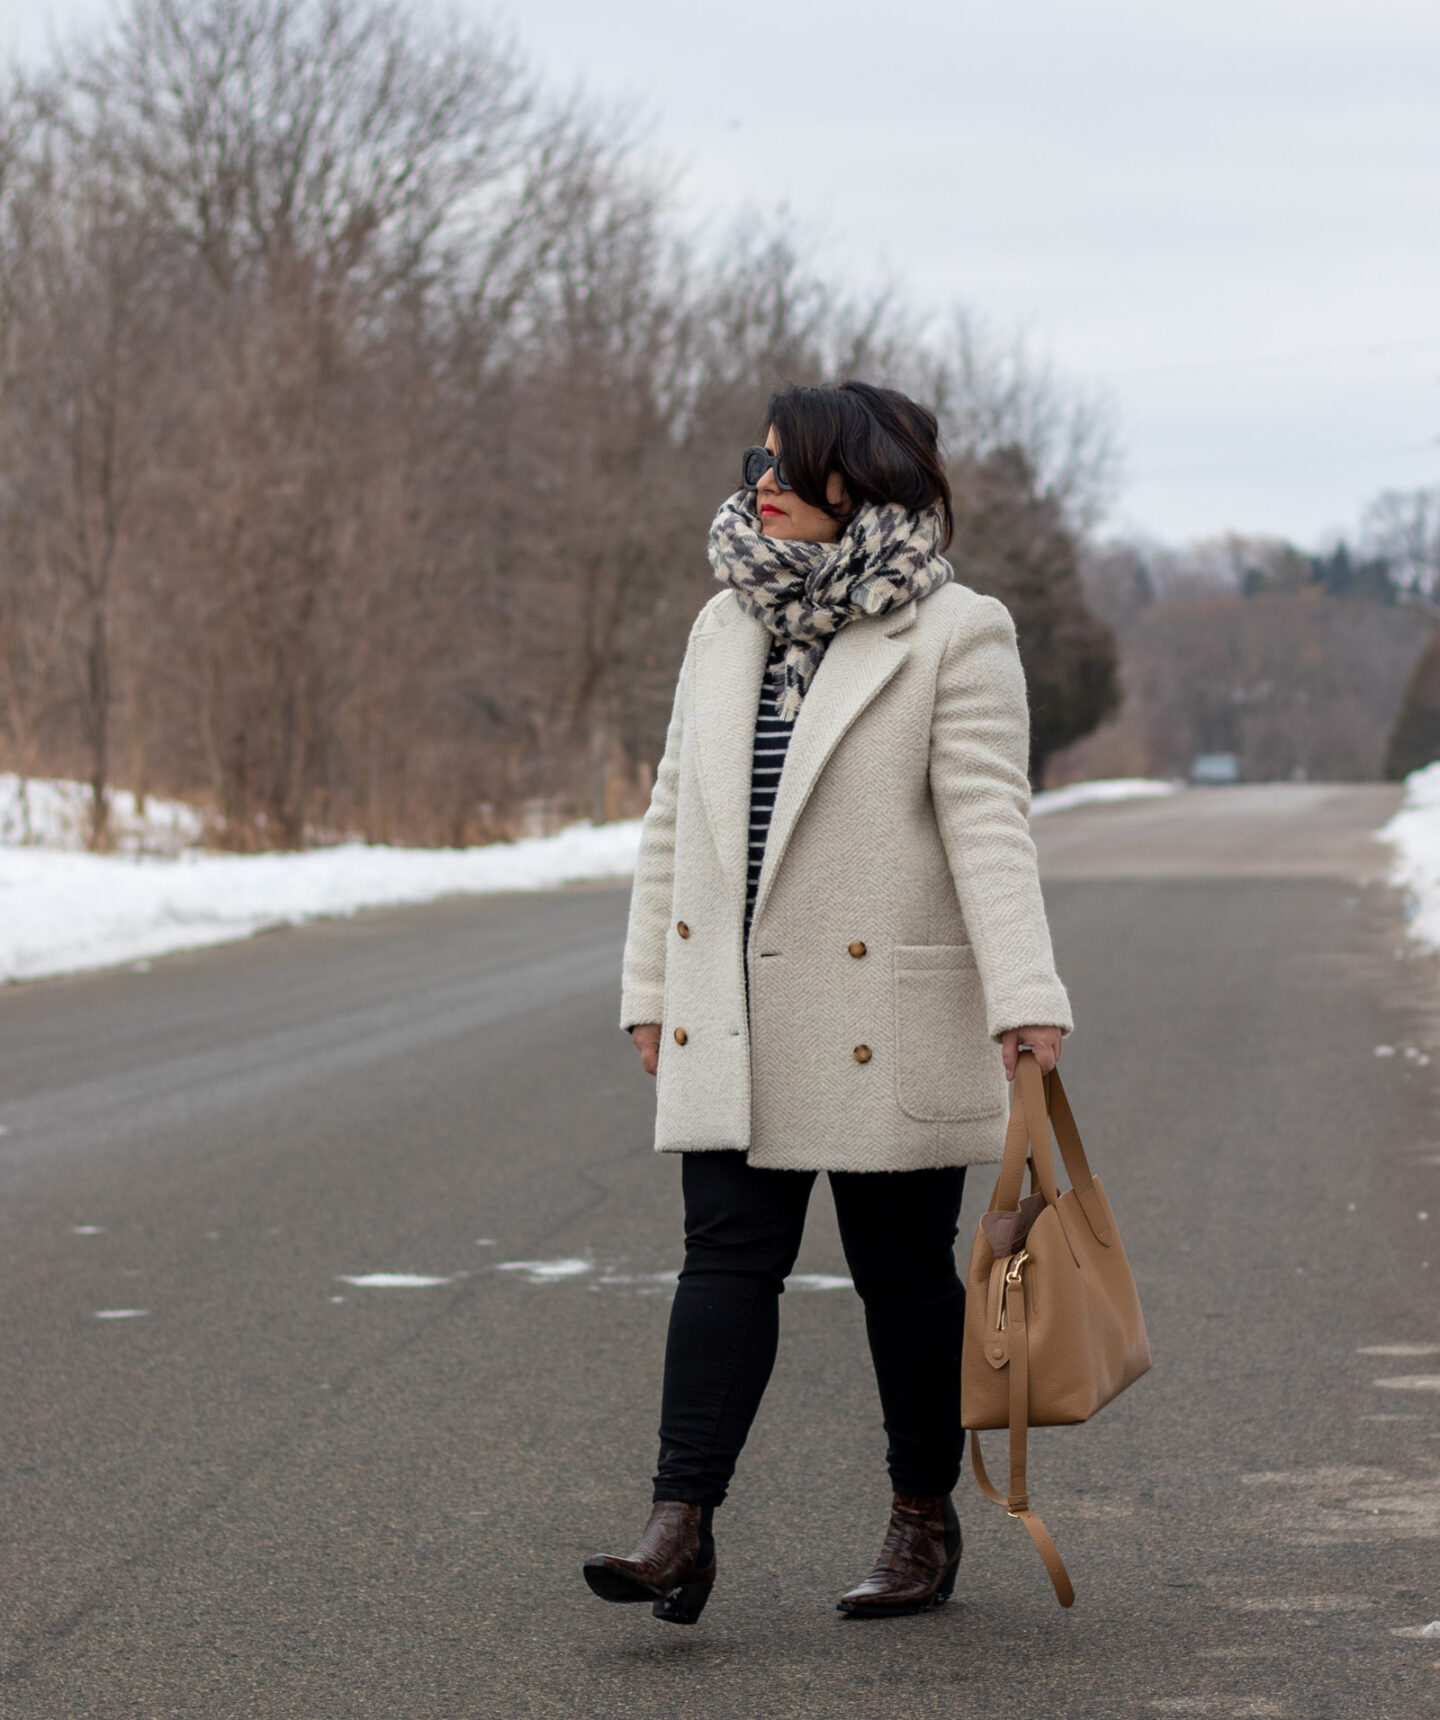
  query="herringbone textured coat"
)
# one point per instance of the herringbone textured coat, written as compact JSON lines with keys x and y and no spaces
{"x":899,"y":913}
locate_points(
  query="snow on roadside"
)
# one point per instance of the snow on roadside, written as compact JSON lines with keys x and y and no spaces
{"x":1414,"y":834}
{"x":65,"y":912}
{"x":48,"y":813}
{"x":1098,"y":793}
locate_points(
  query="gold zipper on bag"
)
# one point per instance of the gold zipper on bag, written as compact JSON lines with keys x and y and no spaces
{"x":1012,"y":1276}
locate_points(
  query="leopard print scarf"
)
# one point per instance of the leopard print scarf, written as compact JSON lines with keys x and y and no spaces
{"x":804,"y":593}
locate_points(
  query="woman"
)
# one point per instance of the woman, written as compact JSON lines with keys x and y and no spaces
{"x":831,"y":966}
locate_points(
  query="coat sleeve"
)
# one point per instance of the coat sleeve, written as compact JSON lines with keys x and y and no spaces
{"x":979,"y":753}
{"x":642,"y":977}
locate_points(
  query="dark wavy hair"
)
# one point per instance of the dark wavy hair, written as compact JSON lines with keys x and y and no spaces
{"x":884,"y":445}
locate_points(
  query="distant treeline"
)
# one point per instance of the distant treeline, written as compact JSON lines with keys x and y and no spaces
{"x":1298,"y":664}
{"x":362,"y":413}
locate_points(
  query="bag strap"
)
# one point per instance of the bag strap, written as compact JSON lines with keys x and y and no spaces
{"x":1024,"y":1141}
{"x":1018,"y":1503}
{"x":1072,"y":1151}
{"x":1039,"y":1103}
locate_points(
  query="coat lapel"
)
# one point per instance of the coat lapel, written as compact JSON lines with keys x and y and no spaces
{"x":730,"y":660}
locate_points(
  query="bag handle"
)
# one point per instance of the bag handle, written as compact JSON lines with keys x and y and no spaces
{"x":1020,"y":1149}
{"x":1040,"y":1103}
{"x":1072,"y":1151}
{"x":1018,"y":1503}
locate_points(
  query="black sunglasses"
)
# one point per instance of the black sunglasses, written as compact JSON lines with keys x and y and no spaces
{"x":756,"y":462}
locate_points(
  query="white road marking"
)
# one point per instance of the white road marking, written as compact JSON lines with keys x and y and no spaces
{"x":646,"y":1283}
{"x":121,"y":1313}
{"x":391,"y":1281}
{"x":1307,"y":1603}
{"x":545,"y":1271}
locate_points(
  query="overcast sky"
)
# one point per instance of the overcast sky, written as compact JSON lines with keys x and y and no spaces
{"x":1225,"y":214}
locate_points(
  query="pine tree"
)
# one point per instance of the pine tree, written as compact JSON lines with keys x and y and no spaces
{"x":1012,"y":542}
{"x":1415,"y":739}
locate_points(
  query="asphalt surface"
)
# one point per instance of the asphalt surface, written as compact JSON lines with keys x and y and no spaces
{"x":277,"y":1493}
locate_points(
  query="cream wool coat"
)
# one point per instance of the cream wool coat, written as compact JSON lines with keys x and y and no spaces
{"x":900,"y":830}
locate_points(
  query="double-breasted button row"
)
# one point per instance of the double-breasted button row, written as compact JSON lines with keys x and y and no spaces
{"x":862,"y":1053}
{"x":681,"y":1036}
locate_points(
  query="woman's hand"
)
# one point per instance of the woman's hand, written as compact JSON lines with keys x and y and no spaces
{"x":647,"y":1042}
{"x":1043,"y":1041}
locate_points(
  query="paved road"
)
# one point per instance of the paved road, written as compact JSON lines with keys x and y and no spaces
{"x":278,"y":1493}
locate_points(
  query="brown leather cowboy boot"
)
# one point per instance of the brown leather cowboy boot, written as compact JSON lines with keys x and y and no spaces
{"x":917,"y":1564}
{"x":673,"y":1566}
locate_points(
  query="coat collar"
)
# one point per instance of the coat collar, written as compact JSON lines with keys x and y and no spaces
{"x":729,"y":662}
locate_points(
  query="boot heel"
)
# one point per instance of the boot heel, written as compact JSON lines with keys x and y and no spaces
{"x":683,"y":1605}
{"x":947,"y":1583}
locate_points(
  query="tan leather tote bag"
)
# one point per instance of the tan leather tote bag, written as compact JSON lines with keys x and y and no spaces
{"x":1053,"y":1328}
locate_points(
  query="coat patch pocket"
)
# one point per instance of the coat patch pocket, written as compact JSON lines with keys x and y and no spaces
{"x":947,"y":1068}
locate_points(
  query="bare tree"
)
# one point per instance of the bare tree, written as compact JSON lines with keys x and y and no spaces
{"x":994,"y":394}
{"x":83,"y":299}
{"x":1402,"y":527}
{"x":362,"y":420}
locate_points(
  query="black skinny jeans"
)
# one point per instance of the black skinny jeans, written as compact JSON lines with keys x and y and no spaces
{"x":742,"y":1233}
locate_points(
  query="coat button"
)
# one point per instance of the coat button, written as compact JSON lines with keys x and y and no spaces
{"x":857,"y":949}
{"x":682,"y":928}
{"x":862,"y":1053}
{"x":681,"y":1036}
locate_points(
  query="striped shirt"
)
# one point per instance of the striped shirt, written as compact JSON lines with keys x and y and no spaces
{"x":772,"y":738}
